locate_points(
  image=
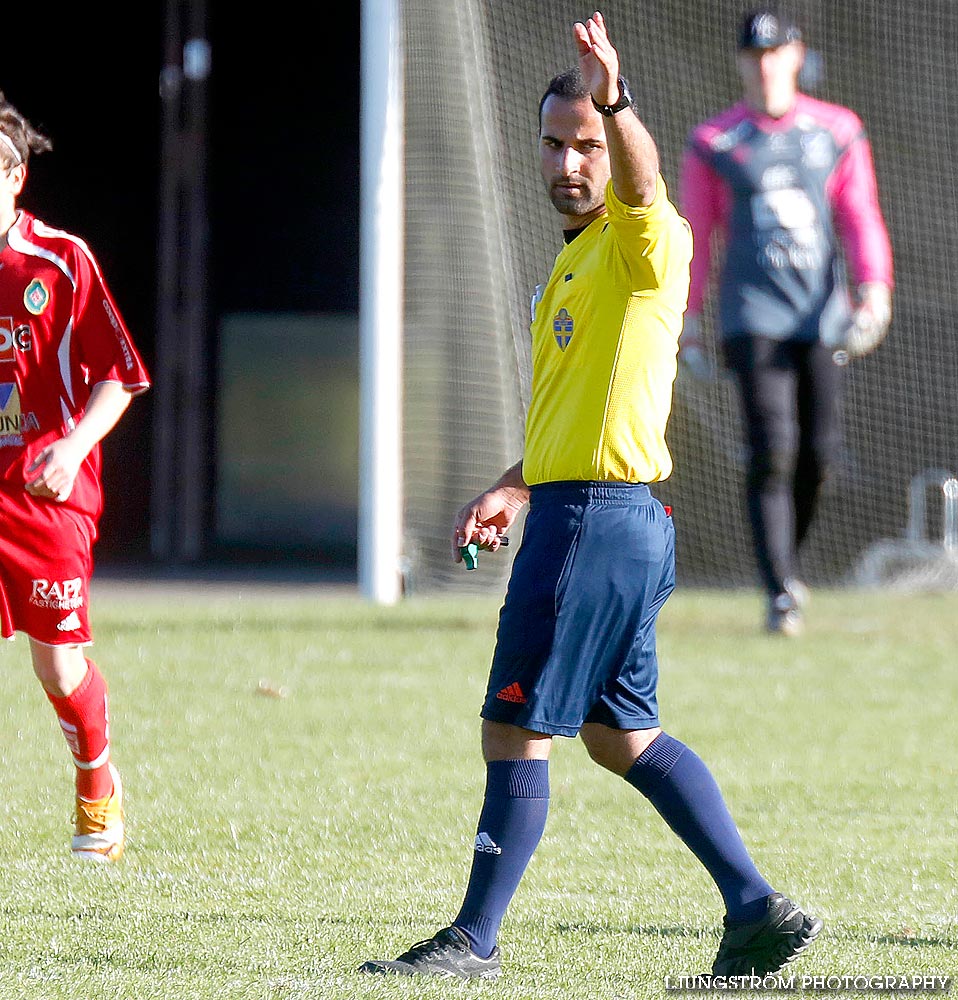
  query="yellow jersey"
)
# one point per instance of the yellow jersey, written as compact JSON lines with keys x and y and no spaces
{"x":605,"y":332}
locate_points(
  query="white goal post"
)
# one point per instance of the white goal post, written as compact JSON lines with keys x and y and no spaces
{"x":381,"y":302}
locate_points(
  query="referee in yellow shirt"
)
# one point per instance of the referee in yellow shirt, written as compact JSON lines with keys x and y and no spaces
{"x":575,"y":649}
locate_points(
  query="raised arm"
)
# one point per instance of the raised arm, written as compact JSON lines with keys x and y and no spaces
{"x":632,"y":152}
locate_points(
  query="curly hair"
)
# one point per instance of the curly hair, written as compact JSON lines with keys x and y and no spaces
{"x":18,"y":138}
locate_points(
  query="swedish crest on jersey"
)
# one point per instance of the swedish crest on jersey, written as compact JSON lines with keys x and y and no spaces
{"x":563,"y":326}
{"x":36,"y":297}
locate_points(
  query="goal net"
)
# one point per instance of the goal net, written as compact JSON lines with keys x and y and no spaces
{"x":480,"y":234}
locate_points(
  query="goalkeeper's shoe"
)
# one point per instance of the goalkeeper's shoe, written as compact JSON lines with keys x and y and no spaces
{"x":98,"y":833}
{"x":766,"y":945}
{"x":445,"y":954}
{"x":784,"y":615}
{"x":800,"y":592}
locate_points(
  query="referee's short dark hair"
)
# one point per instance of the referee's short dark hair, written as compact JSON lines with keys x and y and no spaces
{"x":568,"y":85}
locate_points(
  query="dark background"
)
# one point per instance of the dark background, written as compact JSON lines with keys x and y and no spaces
{"x":283,"y":148}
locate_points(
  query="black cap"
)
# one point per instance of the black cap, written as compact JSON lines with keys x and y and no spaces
{"x":766,"y":28}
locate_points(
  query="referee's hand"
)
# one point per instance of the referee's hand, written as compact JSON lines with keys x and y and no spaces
{"x":598,"y":59}
{"x":485,"y":521}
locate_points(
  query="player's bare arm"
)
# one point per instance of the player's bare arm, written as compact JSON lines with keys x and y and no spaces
{"x":58,"y":463}
{"x":632,"y":152}
{"x":487,"y":518}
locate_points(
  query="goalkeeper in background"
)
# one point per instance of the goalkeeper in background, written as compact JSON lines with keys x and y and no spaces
{"x":575,"y":650}
{"x":785,"y":184}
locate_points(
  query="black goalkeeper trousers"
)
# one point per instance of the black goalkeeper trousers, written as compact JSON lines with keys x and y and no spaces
{"x":790,"y":396}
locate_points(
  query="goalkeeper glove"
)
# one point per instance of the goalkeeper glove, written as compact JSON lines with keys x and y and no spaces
{"x":693,"y":357}
{"x":870,"y":320}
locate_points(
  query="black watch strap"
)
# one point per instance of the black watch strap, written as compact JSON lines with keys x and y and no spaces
{"x":624,"y":101}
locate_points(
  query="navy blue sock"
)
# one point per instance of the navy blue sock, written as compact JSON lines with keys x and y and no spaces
{"x":682,"y":789}
{"x":510,"y":827}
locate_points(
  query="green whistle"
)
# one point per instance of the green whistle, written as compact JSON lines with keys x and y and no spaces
{"x":470,"y":555}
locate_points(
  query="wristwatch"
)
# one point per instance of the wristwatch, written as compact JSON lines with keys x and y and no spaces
{"x":624,"y":101}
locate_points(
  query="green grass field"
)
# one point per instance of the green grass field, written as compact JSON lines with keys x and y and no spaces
{"x":277,"y":842}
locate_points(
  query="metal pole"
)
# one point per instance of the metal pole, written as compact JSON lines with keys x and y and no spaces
{"x":381,"y":302}
{"x":194,"y":450}
{"x":165,"y":375}
{"x":180,"y":484}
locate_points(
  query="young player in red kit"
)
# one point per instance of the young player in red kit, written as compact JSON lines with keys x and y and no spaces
{"x":68,"y":370}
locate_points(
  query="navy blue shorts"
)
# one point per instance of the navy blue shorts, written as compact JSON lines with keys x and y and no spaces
{"x":576,"y":638}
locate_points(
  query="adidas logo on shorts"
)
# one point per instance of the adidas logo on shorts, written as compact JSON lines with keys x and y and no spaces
{"x":512,"y":693}
{"x":71,"y":622}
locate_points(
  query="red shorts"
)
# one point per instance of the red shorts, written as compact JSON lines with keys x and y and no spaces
{"x":46,"y":560}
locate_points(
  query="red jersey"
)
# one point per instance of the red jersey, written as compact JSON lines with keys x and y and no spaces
{"x":60,"y":335}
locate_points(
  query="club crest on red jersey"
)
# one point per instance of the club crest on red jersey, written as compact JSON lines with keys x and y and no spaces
{"x":562,"y":327}
{"x":36,"y":297}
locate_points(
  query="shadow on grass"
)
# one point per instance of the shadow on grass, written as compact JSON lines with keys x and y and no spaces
{"x":639,"y":930}
{"x":909,"y":941}
{"x":104,"y":915}
{"x":903,"y":938}
{"x":190,"y":918}
{"x":246,"y":624}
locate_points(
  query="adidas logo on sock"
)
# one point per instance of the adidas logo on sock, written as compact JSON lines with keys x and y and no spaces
{"x":486,"y":845}
{"x":512,"y":693}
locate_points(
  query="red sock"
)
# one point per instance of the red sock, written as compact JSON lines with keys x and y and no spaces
{"x":85,"y":720}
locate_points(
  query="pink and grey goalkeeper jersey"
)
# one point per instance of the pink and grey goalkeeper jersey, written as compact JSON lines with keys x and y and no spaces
{"x":60,"y":334}
{"x":794,"y":205}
